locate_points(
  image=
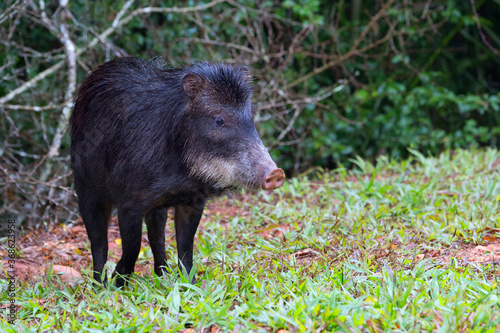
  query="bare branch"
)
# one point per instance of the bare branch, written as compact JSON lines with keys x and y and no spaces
{"x":219,"y":43}
{"x":71,"y":58}
{"x":101,"y":37}
{"x":122,"y":12}
{"x":296,"y":114}
{"x":36,"y":108}
{"x":481,"y":33}
{"x":12,"y":9}
{"x":31,"y":83}
{"x":352,"y":51}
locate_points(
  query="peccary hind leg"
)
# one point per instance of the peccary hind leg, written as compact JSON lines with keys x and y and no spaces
{"x":95,"y":217}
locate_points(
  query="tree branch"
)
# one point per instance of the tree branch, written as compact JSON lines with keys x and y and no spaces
{"x":101,"y":37}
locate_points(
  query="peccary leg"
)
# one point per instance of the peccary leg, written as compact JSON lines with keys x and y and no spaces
{"x":95,"y":217}
{"x":187,"y":219}
{"x":131,"y":233}
{"x":155,"y":220}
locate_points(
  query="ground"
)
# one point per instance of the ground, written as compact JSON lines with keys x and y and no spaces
{"x":386,"y":246}
{"x":65,"y":249}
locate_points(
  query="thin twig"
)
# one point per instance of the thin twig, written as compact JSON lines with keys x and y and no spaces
{"x":353,"y":49}
{"x":103,"y":36}
{"x":63,"y":121}
{"x":481,"y":33}
{"x":36,"y":108}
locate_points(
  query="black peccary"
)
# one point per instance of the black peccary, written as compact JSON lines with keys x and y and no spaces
{"x":144,"y":139}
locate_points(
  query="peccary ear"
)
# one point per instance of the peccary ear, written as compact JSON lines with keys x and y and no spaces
{"x":192,"y":84}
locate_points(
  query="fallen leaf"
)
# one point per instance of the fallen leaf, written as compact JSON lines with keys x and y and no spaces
{"x":214,"y":329}
{"x":484,"y":249}
{"x":275,"y":230}
{"x":490,"y":238}
{"x":112,"y":246}
{"x":65,"y":273}
{"x":433,"y":253}
{"x":303,"y":253}
{"x":78,"y":229}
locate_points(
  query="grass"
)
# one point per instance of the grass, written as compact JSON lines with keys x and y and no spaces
{"x":386,"y":247}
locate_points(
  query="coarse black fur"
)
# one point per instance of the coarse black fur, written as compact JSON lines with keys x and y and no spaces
{"x":145,"y":138}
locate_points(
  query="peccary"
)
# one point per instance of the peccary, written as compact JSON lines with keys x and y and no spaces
{"x":145,"y":139}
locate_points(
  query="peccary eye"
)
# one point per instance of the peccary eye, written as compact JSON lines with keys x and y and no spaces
{"x":219,"y":121}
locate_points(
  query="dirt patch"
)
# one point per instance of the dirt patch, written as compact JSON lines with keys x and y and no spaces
{"x":64,"y":250}
{"x":484,"y":254}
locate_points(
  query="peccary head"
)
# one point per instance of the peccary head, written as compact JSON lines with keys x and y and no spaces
{"x":222,"y":146}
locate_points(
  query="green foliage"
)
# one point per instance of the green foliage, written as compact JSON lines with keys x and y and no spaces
{"x":380,"y":248}
{"x":430,"y":93}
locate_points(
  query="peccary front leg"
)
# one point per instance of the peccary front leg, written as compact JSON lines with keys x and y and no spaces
{"x":187,"y":219}
{"x":131,"y":233}
{"x":155,"y":220}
